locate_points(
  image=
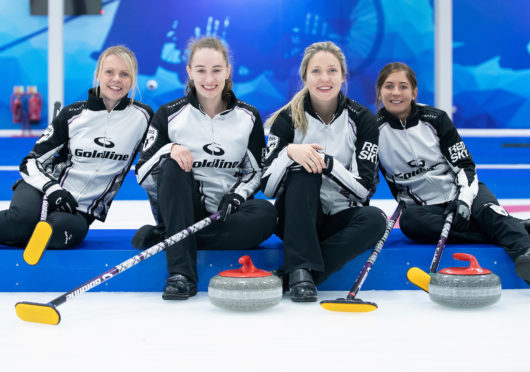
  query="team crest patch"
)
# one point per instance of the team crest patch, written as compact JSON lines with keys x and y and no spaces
{"x":272,"y":143}
{"x":48,"y":132}
{"x":150,"y":139}
{"x":497,"y":209}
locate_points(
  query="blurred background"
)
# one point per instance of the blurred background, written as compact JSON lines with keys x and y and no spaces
{"x":491,"y":49}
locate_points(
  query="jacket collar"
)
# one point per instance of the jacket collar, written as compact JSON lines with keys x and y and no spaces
{"x":95,"y":103}
{"x":229,"y":96}
{"x":311,"y":111}
{"x":412,"y":119}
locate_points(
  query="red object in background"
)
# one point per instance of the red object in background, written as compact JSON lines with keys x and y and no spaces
{"x":16,"y":107}
{"x":35,"y":108}
{"x":26,"y":107}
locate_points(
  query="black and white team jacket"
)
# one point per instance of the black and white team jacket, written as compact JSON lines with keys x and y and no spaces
{"x":351,"y":138}
{"x":424,"y":160}
{"x":227,"y":150}
{"x":88,"y":151}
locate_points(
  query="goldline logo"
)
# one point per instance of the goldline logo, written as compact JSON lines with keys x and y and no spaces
{"x":104,"y":142}
{"x":213,"y":149}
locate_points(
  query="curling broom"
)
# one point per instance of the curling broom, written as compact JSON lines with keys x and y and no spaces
{"x":420,"y":278}
{"x":42,"y":233}
{"x":351,"y":303}
{"x":48,"y":313}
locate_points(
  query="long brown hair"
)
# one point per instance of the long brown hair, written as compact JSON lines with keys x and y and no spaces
{"x":209,"y":43}
{"x":390,"y":69}
{"x":297,"y":102}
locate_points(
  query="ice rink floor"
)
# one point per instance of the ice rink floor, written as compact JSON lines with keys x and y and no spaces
{"x":141,"y":332}
{"x":130,"y":332}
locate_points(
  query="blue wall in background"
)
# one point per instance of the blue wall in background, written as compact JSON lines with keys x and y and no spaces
{"x":267,"y":38}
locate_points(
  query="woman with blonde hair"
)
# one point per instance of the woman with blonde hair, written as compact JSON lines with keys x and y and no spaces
{"x":203,"y":154}
{"x":320,"y":166}
{"x":82,"y":158}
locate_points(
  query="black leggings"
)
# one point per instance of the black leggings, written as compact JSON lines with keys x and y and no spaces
{"x":180,"y":206}
{"x":490,"y":224}
{"x":315,"y":241}
{"x":17,"y":222}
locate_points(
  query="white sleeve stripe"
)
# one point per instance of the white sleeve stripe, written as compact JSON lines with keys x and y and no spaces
{"x":348,"y":181}
{"x":32,"y":171}
{"x":146,"y":167}
{"x":468,"y":192}
{"x":248,"y":186}
{"x":276,"y":173}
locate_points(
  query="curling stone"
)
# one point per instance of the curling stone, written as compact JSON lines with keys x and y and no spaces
{"x":465,"y":287}
{"x":245,"y":289}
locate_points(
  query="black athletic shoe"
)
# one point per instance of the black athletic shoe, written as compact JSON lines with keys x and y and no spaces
{"x":147,"y":236}
{"x":522,"y":266}
{"x":301,"y":286}
{"x":179,"y":287}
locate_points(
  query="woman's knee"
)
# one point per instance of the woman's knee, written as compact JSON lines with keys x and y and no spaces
{"x":173,"y":181}
{"x":23,"y":222}
{"x":406,"y":221}
{"x":302,"y":187}
{"x":376,"y":216}
{"x":416,"y":224}
{"x":371,"y":219}
{"x":265,"y":214}
{"x":170,"y":170}
{"x":68,"y":230}
{"x":270,"y":216}
{"x":302,"y":180}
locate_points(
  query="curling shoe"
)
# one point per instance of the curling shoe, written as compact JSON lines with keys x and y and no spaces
{"x":147,"y":236}
{"x":522,"y":266}
{"x":301,"y":286}
{"x":179,"y":287}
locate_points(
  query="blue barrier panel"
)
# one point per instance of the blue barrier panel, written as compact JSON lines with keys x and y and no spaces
{"x":61,"y":271}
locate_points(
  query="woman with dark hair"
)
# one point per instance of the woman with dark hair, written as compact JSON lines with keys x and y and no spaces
{"x":427,"y":165}
{"x":203,"y":154}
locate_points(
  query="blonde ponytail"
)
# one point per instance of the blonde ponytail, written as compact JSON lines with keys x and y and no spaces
{"x":296,"y":104}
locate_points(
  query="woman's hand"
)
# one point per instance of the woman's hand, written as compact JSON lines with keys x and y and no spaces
{"x":182,"y":156}
{"x":307,"y":156}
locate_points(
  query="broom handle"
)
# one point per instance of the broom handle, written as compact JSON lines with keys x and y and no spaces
{"x":369,"y":263}
{"x":44,"y":207}
{"x":109,"y":274}
{"x":441,"y":243}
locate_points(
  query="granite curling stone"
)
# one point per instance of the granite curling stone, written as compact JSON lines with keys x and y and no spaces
{"x":245,"y":289}
{"x":465,"y":287}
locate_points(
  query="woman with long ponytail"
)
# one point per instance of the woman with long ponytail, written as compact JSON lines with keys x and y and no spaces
{"x":320,"y":166}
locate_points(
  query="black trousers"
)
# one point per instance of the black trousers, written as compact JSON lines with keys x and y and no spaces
{"x":18,"y":222}
{"x":490,"y":224}
{"x":180,"y":206}
{"x":318,"y":242}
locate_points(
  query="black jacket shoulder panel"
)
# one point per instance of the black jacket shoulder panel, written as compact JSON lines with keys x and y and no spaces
{"x":145,"y":107}
{"x":356,"y":110}
{"x":175,"y":105}
{"x":247,"y":106}
{"x":429,"y":114}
